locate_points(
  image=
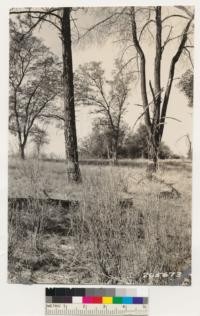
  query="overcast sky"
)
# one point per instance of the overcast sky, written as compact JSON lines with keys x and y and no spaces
{"x":106,"y":52}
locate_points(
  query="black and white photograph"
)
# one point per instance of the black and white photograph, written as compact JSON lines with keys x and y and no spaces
{"x":100,"y":145}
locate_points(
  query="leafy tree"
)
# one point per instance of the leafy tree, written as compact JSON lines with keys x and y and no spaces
{"x":40,"y":138}
{"x":165,"y":152}
{"x":108,"y":97}
{"x":34,"y":85}
{"x":186,"y":86}
{"x":99,"y":144}
{"x":138,"y":145}
{"x":60,"y":18}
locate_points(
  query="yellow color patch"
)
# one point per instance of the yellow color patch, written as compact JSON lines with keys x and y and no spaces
{"x":107,"y":300}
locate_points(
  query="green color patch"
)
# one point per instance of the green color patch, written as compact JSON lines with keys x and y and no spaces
{"x":117,"y":300}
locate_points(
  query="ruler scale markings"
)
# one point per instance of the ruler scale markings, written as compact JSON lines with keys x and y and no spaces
{"x":65,"y":309}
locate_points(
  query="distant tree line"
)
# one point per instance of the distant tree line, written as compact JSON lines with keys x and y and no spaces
{"x":98,"y":145}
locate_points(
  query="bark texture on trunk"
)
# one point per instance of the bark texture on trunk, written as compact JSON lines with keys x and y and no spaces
{"x":73,"y":170}
{"x":155,"y":155}
{"x":115,"y":150}
{"x":156,"y":92}
{"x":142,"y":71}
{"x":22,"y":151}
{"x":115,"y":157}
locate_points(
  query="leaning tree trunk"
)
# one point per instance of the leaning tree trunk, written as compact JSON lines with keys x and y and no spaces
{"x":73,"y":171}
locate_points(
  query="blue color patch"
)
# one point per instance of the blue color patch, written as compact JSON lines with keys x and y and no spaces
{"x":127,"y":300}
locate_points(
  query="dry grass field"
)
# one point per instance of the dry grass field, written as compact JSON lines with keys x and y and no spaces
{"x":101,"y":241}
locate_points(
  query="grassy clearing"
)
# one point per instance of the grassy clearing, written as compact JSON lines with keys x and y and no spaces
{"x":102,"y":241}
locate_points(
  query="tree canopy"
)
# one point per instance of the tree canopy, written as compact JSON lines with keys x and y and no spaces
{"x":107,"y":97}
{"x":138,"y":145}
{"x":186,"y":85}
{"x":35,"y":84}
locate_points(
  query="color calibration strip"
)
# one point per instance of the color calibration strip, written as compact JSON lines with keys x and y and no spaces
{"x":94,"y":296}
{"x":97,"y":301}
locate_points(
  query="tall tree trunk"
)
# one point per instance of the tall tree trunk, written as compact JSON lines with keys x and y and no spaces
{"x":115,"y":149}
{"x":155,"y":152}
{"x":108,"y":151}
{"x":115,"y":156}
{"x":142,"y":63}
{"x":156,"y":92}
{"x":22,"y":151}
{"x":171,"y":75}
{"x":73,"y":171}
{"x":38,"y":150}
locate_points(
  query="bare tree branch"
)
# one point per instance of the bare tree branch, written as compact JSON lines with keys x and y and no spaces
{"x":141,"y":115}
{"x":143,"y":28}
{"x":142,"y":69}
{"x":173,"y":118}
{"x":52,"y":116}
{"x":174,"y":16}
{"x":47,"y":20}
{"x":152,"y":92}
{"x":167,"y":39}
{"x":101,"y":22}
{"x":125,"y":50}
{"x":171,"y":73}
{"x":41,"y":17}
{"x":189,"y":56}
{"x":186,"y":10}
{"x":49,"y":11}
{"x":76,"y":27}
{"x":173,"y":38}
